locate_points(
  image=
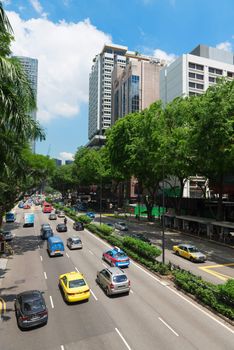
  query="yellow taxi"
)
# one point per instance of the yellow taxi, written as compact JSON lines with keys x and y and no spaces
{"x":74,"y":287}
{"x":189,"y":252}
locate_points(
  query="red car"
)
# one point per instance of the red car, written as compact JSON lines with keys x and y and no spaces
{"x":116,"y":257}
{"x":27,"y":206}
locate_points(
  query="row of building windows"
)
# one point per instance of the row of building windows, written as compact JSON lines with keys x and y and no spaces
{"x":215,"y":71}
{"x":196,"y":85}
{"x":196,"y":66}
{"x":196,"y":76}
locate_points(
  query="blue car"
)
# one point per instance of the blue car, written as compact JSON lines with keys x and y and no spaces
{"x":21,"y":205}
{"x":116,"y":257}
{"x":90,"y":214}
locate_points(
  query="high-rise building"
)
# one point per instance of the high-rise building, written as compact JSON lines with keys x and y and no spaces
{"x":58,"y":162}
{"x":135,"y":86}
{"x":100,"y":81}
{"x":30,"y":66}
{"x":68,"y":161}
{"x":191,"y":74}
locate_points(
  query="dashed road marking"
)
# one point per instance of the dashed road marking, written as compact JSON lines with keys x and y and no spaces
{"x":45,"y":275}
{"x":167,"y":325}
{"x":93,"y":295}
{"x":62,"y":347}
{"x":127,"y":346}
{"x":76,"y":269}
{"x":67,"y":255}
{"x":2,"y":307}
{"x":41,"y":258}
{"x":90,"y":252}
{"x":51,"y":301}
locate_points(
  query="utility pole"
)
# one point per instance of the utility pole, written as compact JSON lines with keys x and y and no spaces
{"x":163,"y":224}
{"x":100,"y":202}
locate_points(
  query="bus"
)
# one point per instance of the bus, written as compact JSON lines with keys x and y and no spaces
{"x":47,"y":207}
{"x":55,"y":246}
{"x":10,"y":217}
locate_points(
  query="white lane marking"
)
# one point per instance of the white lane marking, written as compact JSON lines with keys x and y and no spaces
{"x":41,"y":258}
{"x":90,"y":252}
{"x":147,"y":273}
{"x":76,"y":269}
{"x":67,"y":255}
{"x":51,"y":301}
{"x":45,"y":275}
{"x":167,"y":325}
{"x":38,"y":246}
{"x":93,"y":295}
{"x":98,"y":239}
{"x":62,"y":347}
{"x":104,"y":264}
{"x":131,"y":291}
{"x":198,"y":308}
{"x":128,"y":347}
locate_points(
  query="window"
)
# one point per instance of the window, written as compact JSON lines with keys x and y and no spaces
{"x":192,"y":85}
{"x":192,"y":75}
{"x":219,"y":71}
{"x":196,"y":66}
{"x":199,"y":67}
{"x":192,"y":65}
{"x":200,"y":86}
{"x":212,"y":79}
{"x":200,"y":76}
{"x":215,"y":71}
{"x":230,"y":74}
{"x":211,"y":70}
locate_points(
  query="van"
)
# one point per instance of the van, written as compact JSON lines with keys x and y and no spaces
{"x":10,"y":217}
{"x":55,"y":246}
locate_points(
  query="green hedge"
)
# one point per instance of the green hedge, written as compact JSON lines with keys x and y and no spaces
{"x":143,"y":249}
{"x":208,"y":293}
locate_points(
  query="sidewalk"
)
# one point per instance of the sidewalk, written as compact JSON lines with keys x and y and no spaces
{"x":3,"y":265}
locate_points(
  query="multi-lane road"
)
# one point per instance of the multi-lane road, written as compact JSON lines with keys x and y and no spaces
{"x":153,"y":316}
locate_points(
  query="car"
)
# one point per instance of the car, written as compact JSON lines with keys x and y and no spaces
{"x":30,"y":309}
{"x":46,"y":232}
{"x":90,"y":214}
{"x":74,"y":287}
{"x":52,"y":216}
{"x":78,"y":226}
{"x":116,"y":257}
{"x":74,"y":243}
{"x":190,"y":252}
{"x":57,"y":211}
{"x":61,"y":228}
{"x":121,"y":226}
{"x":45,"y":226}
{"x":61,"y":214}
{"x":7,"y":235}
{"x":21,"y":205}
{"x":113,"y":280}
{"x":140,"y":236}
{"x":27,"y":206}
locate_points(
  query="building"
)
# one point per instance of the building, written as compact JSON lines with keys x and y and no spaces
{"x":100,"y":81}
{"x":135,"y":86}
{"x":191,"y":74}
{"x":68,"y":161}
{"x":30,"y":66}
{"x":58,"y":162}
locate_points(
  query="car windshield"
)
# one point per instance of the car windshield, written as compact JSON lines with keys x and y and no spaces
{"x":120,"y":278}
{"x":33,"y":305}
{"x":77,"y":283}
{"x":76,"y":240}
{"x":120,"y":255}
{"x":192,"y":249}
{"x":122,"y":223}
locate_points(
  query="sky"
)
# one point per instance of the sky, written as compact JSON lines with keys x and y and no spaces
{"x":65,"y":36}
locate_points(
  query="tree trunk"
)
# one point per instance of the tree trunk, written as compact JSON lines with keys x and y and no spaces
{"x":220,"y":200}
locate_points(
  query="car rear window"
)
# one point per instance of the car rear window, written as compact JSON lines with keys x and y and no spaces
{"x":33,"y":305}
{"x":77,"y":283}
{"x":120,"y":278}
{"x":58,"y":246}
{"x":121,"y":255}
{"x":76,"y":241}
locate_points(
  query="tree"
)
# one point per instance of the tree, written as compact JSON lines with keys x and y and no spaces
{"x":63,"y":179}
{"x":212,"y":135}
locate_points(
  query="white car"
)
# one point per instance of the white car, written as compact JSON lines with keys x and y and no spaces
{"x":74,"y":243}
{"x":121,"y":226}
{"x":61,"y":214}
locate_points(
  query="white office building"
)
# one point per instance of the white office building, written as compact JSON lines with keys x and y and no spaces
{"x":100,"y":82}
{"x":193,"y":73}
{"x":30,"y":66}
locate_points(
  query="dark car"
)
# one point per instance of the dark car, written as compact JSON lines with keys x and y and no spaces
{"x":7,"y":235}
{"x":30,"y":309}
{"x":46,"y":232}
{"x":61,"y":228}
{"x":78,"y":226}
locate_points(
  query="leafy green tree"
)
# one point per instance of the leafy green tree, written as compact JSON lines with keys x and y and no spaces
{"x":63,"y":179}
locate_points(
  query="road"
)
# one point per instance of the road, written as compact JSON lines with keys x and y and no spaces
{"x":153,"y":316}
{"x":219,"y":266}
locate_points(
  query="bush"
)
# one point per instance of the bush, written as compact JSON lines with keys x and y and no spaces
{"x":141,"y":248}
{"x":226,"y":292}
{"x":84,"y":218}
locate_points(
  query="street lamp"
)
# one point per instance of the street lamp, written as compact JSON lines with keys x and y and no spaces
{"x":100,"y":202}
{"x":163,"y":224}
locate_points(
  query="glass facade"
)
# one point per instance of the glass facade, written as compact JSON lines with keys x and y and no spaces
{"x":134,"y":93}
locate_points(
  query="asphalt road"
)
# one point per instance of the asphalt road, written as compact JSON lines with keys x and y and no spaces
{"x":219,"y":266}
{"x":153,"y":316}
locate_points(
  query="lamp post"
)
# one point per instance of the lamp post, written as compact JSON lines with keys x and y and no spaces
{"x":100,"y":202}
{"x":163,"y":224}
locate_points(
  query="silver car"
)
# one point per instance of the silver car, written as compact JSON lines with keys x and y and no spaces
{"x":74,"y":243}
{"x":113,"y":280}
{"x":121,"y":226}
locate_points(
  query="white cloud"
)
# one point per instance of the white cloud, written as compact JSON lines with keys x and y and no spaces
{"x":66,"y":156}
{"x":226,"y":46}
{"x":38,"y":7}
{"x":168,"y":57}
{"x":65,"y":52}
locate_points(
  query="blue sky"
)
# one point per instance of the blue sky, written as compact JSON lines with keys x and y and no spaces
{"x":66,"y":34}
